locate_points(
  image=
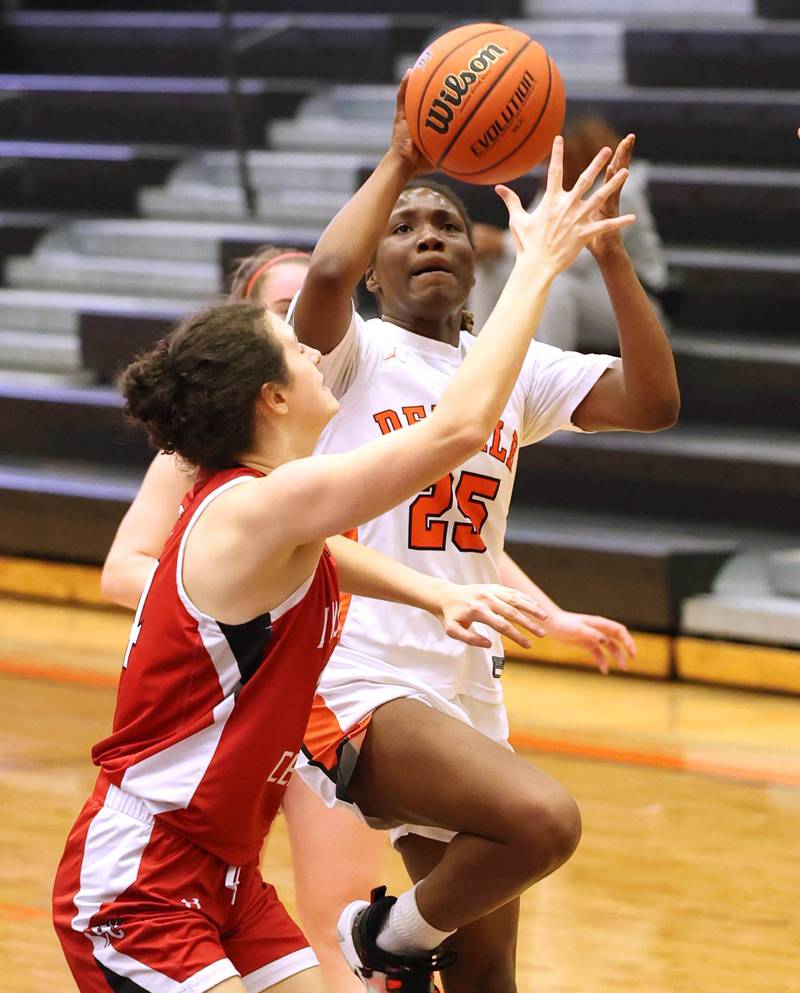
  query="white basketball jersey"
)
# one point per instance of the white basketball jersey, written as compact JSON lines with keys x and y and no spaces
{"x":386,"y":378}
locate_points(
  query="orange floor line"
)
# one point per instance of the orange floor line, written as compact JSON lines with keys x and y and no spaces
{"x":655,"y":759}
{"x":48,"y":672}
{"x":18,"y":910}
{"x":30,"y":669}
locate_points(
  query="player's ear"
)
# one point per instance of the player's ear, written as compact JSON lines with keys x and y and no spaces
{"x":274,"y":399}
{"x":371,"y":281}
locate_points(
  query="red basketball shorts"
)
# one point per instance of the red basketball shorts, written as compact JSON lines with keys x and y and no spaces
{"x":138,"y":907}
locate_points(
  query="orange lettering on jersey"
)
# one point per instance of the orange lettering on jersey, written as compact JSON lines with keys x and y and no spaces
{"x":414,"y":414}
{"x":496,"y":451}
{"x":512,"y":451}
{"x":387,"y":420}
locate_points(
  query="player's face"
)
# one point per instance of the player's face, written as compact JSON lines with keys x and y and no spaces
{"x":311,"y":402}
{"x":280,"y":285}
{"x":425,"y":263}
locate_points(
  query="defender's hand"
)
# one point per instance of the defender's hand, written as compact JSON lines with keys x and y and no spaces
{"x":550,"y":238}
{"x":507,"y":611}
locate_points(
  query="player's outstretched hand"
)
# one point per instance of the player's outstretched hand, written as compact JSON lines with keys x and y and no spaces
{"x":402,"y":143}
{"x":505,"y":610}
{"x":605,"y":639}
{"x":550,"y":237}
{"x":609,"y":241}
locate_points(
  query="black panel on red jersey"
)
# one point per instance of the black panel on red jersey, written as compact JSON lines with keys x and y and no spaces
{"x":120,"y":984}
{"x":248,"y":643}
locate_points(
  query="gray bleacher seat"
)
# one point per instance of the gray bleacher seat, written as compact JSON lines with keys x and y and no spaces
{"x":743,"y":606}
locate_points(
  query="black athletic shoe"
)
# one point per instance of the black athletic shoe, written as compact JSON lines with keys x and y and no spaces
{"x":380,"y":971}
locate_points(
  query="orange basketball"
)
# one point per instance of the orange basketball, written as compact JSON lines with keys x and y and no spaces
{"x":484,"y":103}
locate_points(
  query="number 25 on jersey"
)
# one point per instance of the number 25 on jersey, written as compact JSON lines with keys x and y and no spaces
{"x":426,"y":528}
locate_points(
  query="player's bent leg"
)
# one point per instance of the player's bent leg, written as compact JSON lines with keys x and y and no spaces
{"x":336,"y":859}
{"x":487,"y":954}
{"x":514,"y":824}
{"x":486,"y":948}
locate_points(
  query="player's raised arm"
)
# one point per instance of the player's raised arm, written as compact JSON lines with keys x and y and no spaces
{"x":642,"y":394}
{"x":343,"y":253}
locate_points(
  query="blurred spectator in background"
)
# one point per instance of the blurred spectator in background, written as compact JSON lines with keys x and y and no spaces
{"x":272,"y":276}
{"x":578,"y":314}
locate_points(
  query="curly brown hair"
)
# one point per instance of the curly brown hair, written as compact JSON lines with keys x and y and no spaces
{"x":247,"y":282}
{"x":195,"y":391}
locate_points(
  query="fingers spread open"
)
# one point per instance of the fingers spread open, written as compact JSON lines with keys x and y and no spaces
{"x":616,"y":631}
{"x":607,"y":190}
{"x":514,"y":207}
{"x":630,"y":644}
{"x":521,"y":617}
{"x":591,"y":172}
{"x":612,"y":637}
{"x":460,"y":631}
{"x":521,"y":600}
{"x":609,"y":224}
{"x":617,"y":649}
{"x":555,"y":172}
{"x":505,"y":627}
{"x":510,"y":199}
{"x":622,"y":156}
{"x":501,"y":618}
{"x":599,"y":655}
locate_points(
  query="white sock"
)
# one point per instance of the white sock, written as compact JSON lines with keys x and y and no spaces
{"x":406,"y":931}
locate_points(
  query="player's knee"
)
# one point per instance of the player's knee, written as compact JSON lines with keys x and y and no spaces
{"x":549,"y":830}
{"x":565,"y":829}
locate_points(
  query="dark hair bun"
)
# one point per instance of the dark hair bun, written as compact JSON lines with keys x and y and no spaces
{"x":195,"y":391}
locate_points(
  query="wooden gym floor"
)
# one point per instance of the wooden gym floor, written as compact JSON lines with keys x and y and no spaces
{"x":686,"y":880}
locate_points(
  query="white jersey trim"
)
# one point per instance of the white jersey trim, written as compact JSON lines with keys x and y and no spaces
{"x":112,"y":855}
{"x":168,"y":779}
{"x":293,"y":599}
{"x":214,"y":640}
{"x":210,"y":976}
{"x":280,"y":970}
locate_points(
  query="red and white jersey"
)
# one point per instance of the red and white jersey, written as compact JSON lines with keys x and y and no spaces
{"x":210,"y":716}
{"x":386,"y":379}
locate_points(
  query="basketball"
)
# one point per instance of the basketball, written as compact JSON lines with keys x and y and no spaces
{"x":484,"y":103}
